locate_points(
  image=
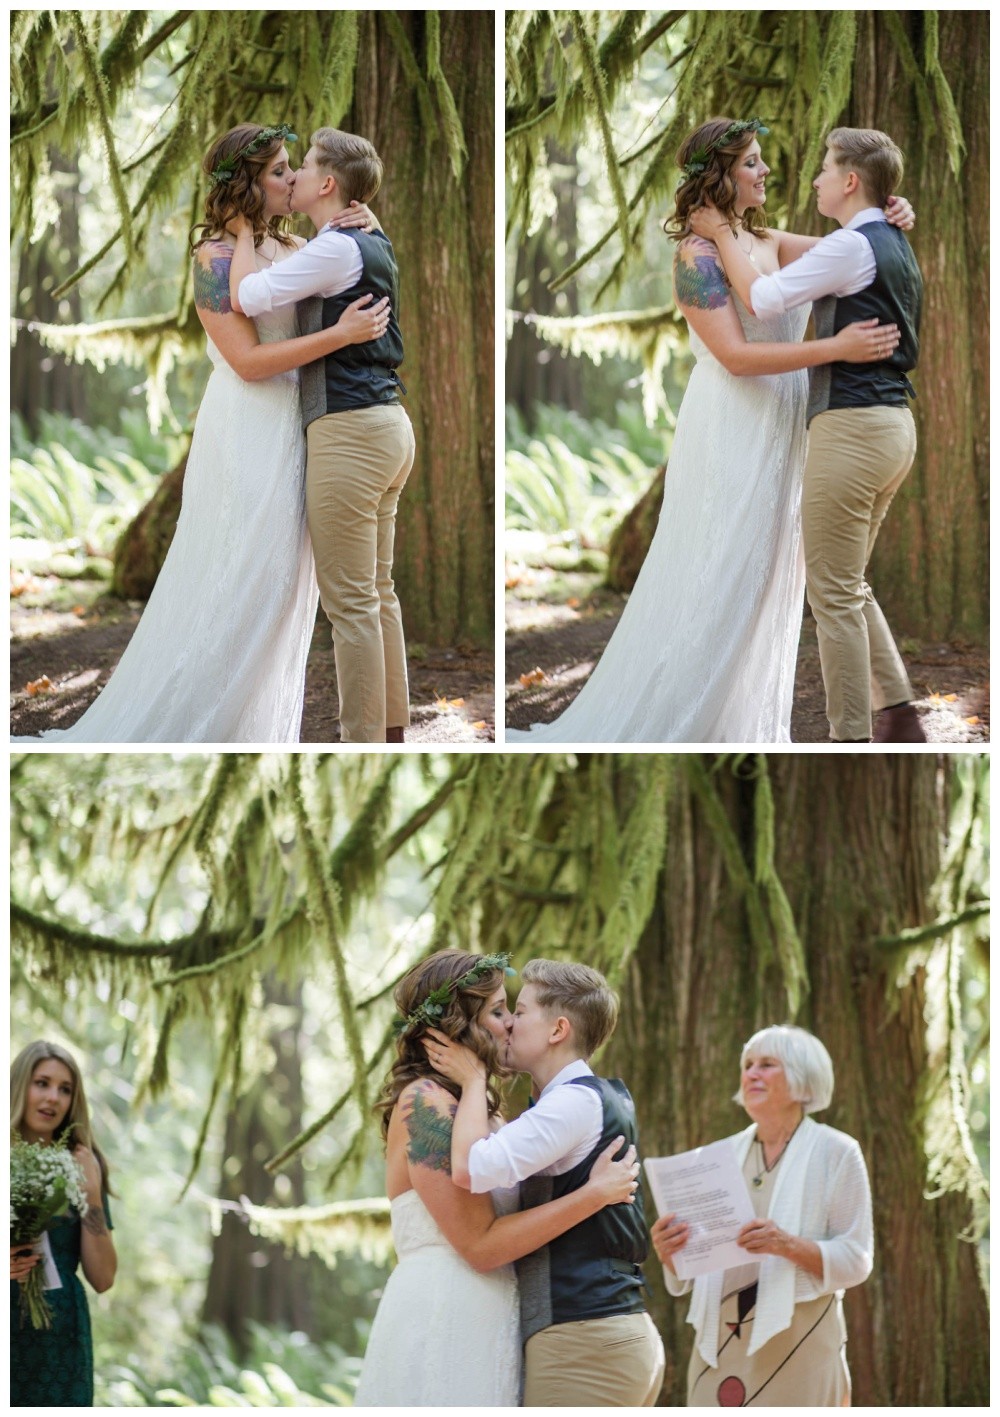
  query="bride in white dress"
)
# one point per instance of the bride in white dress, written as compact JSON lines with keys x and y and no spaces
{"x":706,"y":647}
{"x":219,"y":654}
{"x":447,"y":1331}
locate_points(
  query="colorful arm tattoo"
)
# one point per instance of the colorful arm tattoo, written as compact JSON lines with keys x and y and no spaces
{"x":699,"y":280}
{"x":430,"y":1135}
{"x":211,"y":279}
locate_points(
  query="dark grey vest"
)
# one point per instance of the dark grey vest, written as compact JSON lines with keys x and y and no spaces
{"x":359,"y":375}
{"x":595,"y":1269}
{"x":894,"y":296}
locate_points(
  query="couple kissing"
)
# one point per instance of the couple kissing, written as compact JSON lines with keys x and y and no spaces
{"x":527,"y":1235}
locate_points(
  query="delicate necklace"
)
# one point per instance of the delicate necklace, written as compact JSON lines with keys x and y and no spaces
{"x":749,"y":252}
{"x":758,"y":1180}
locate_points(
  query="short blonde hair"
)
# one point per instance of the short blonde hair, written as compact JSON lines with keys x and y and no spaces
{"x":579,"y":992}
{"x":873,"y":156}
{"x":806,"y":1062}
{"x":352,"y":160}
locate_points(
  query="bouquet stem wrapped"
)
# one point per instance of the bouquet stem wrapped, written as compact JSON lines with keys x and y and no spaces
{"x":45,"y":1181}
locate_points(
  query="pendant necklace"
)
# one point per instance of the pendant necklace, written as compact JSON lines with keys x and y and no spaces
{"x":758,"y":1180}
{"x":749,"y":254}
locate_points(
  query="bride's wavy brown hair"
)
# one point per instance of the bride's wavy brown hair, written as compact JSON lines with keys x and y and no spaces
{"x":243,"y":194}
{"x":715,"y":184}
{"x":460,"y":1021}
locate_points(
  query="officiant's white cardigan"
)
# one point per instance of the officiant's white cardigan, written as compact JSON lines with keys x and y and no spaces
{"x":821,"y":1193}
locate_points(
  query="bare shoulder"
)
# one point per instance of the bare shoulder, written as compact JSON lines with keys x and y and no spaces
{"x":699,"y":279}
{"x":427,"y":1112}
{"x":212,"y":261}
{"x":298,"y":242}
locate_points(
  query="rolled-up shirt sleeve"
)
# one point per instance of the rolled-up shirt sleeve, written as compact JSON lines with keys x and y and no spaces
{"x":327,"y":265}
{"x":841,"y":264}
{"x":550,"y":1132}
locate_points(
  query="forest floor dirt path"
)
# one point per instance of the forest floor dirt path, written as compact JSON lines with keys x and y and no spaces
{"x":76,"y":647}
{"x":564,"y":628}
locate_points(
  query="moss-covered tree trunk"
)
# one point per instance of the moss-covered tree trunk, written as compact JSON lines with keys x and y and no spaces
{"x":443,"y":235}
{"x":250,"y":1279}
{"x":858,"y":843}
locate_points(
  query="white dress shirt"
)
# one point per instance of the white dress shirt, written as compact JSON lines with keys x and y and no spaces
{"x":548,"y":1139}
{"x":327,"y":265}
{"x":841,"y":264}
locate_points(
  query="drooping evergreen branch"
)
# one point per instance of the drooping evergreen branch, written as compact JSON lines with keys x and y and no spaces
{"x":936,"y":930}
{"x":28,"y":927}
{"x":95,"y":86}
{"x":323,"y":906}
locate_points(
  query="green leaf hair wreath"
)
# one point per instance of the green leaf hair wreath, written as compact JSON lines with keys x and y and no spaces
{"x":227,"y":168}
{"x":698,"y":160}
{"x":437,"y":1001}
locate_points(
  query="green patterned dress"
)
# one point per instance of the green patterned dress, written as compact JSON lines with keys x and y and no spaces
{"x":55,"y":1367}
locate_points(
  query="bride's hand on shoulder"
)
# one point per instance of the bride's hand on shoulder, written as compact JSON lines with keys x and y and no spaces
{"x":453,"y":1060}
{"x":708,"y":222}
{"x":866,"y":342}
{"x":239,"y":225}
{"x":615,"y":1182}
{"x":357,"y":215}
{"x":898,"y":212}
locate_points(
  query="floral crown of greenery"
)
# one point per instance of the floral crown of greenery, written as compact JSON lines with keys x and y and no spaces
{"x":227,"y":168}
{"x":437,"y":1001}
{"x":698,"y":160}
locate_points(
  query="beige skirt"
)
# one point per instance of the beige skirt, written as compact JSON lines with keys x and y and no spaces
{"x":804,"y":1366}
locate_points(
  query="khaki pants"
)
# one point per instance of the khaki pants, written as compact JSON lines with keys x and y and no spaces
{"x":612,"y":1362}
{"x":358,"y":462}
{"x":857,"y":460}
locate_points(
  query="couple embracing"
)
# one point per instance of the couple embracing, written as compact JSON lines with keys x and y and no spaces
{"x":219,"y":655}
{"x":520,"y":1245}
{"x":705,"y":650}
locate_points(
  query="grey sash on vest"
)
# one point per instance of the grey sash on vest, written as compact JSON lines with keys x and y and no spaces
{"x":824,"y":313}
{"x":312,"y":377}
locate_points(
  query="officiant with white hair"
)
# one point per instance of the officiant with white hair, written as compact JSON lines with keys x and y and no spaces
{"x":771,"y":1332}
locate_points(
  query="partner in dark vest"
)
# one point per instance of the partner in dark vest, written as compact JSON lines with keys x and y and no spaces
{"x":862,"y":439}
{"x":589,"y":1341}
{"x":360,"y":442}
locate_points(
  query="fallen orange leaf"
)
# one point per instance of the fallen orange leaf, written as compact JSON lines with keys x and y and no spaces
{"x":574,"y":602}
{"x":973,"y":720}
{"x":79,"y":610}
{"x":441,"y":705}
{"x":534,"y":676}
{"x":479,"y":725}
{"x":39,"y":686}
{"x":933,"y":698}
{"x":456,"y":703}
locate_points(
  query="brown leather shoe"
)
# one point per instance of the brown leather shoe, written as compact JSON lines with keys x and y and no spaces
{"x":394,"y":735}
{"x":900,"y":724}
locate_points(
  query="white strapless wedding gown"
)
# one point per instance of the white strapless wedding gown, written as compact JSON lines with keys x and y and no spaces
{"x":443,"y":1336}
{"x":705,"y":650}
{"x":219,"y":655}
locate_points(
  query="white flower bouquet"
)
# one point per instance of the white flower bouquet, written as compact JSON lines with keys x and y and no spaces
{"x":44,"y":1182}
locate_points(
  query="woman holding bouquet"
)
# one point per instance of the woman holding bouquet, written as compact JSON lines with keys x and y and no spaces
{"x":54,"y":1367}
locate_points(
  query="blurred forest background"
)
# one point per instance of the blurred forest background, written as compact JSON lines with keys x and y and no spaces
{"x":111,"y":113}
{"x":217,"y":938}
{"x":597,"y":103}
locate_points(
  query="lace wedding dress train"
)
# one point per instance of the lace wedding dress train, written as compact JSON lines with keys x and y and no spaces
{"x":706,"y":647}
{"x":219,"y":655}
{"x":444,"y":1335}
